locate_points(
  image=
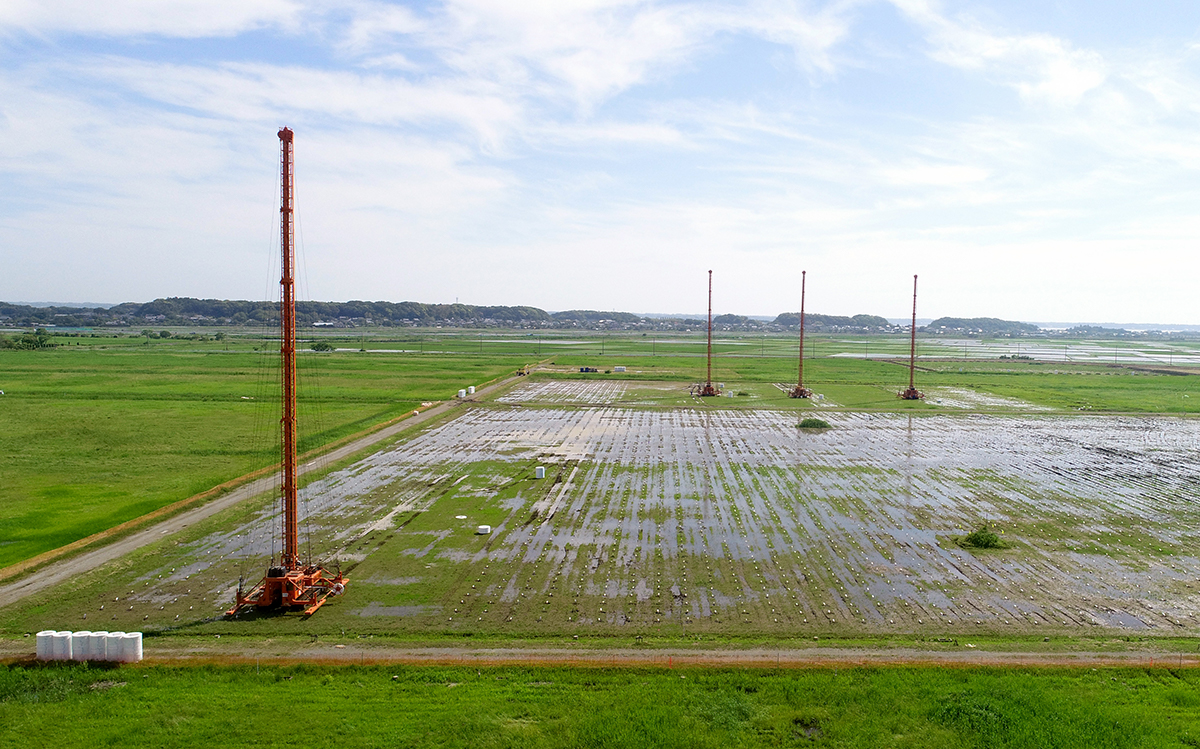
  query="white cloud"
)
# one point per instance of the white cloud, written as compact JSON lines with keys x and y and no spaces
{"x":175,"y":18}
{"x":940,"y":175}
{"x":586,"y":52}
{"x":478,"y":137}
{"x":1039,"y":66}
{"x":268,"y":93}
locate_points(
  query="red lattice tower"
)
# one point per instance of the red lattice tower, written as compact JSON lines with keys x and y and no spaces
{"x":800,"y":391}
{"x":708,"y":389}
{"x":291,"y":584}
{"x":912,"y":394}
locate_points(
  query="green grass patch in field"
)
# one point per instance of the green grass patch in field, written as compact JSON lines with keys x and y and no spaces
{"x":982,"y":538}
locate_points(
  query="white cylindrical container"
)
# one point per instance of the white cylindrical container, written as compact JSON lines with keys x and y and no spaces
{"x":81,"y":645}
{"x":539,"y":472}
{"x":114,"y":644}
{"x":98,"y":647}
{"x":462,"y":393}
{"x":62,"y":646}
{"x":132,"y":651}
{"x":471,"y":390}
{"x":45,"y":645}
{"x":483,"y":530}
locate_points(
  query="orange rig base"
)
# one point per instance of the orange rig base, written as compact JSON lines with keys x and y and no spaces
{"x":912,"y":394}
{"x":800,"y":392}
{"x":306,"y":589}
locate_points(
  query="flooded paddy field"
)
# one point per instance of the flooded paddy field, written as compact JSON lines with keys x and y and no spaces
{"x":724,"y":521}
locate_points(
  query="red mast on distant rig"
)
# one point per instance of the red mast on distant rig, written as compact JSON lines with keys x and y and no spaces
{"x":800,"y":391}
{"x":708,"y":388}
{"x":287,"y":350}
{"x":290,"y":584}
{"x":912,"y":394}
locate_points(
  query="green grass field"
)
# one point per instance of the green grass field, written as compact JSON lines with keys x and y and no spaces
{"x":100,"y":432}
{"x":92,"y":438}
{"x":858,"y":384}
{"x":367,"y":706}
{"x":104,"y":429}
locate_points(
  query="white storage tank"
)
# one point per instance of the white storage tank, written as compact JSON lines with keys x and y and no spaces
{"x":45,"y":645}
{"x":114,"y":644}
{"x":483,"y":530}
{"x":81,"y":645}
{"x":539,"y":472}
{"x":471,"y":390}
{"x":131,"y":652}
{"x":462,"y":394}
{"x":98,"y":646}
{"x":62,"y":646}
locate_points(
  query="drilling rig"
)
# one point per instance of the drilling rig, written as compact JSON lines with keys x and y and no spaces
{"x":708,"y":389}
{"x":912,"y":394}
{"x":800,"y":391}
{"x":289,"y":584}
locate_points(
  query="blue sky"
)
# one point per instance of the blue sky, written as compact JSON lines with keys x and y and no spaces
{"x":1031,"y":160}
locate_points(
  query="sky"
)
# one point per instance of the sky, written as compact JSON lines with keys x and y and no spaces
{"x":1030,"y":160}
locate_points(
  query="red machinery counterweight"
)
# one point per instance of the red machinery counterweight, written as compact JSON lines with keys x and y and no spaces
{"x":800,"y":391}
{"x":912,"y":394}
{"x":291,"y":584}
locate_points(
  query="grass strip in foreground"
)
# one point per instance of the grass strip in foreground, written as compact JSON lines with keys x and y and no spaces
{"x":350,"y":706}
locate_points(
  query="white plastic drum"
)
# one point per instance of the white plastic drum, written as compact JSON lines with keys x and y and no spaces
{"x":81,"y":645}
{"x":45,"y":644}
{"x":114,"y":644}
{"x":132,"y":651}
{"x":98,"y":647}
{"x":62,"y":646}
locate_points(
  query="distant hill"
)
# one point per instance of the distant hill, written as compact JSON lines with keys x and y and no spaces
{"x":592,"y":316}
{"x":187,"y":312}
{"x":980,"y":326}
{"x":835,"y":323}
{"x":735,"y":322}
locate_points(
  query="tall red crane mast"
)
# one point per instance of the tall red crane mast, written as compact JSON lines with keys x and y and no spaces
{"x":912,"y":394}
{"x":708,"y":389}
{"x":800,"y":391}
{"x":291,"y":584}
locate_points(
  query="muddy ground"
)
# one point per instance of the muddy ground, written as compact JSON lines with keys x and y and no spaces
{"x":707,"y":521}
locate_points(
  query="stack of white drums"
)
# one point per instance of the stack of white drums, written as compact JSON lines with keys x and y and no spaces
{"x":121,"y":647}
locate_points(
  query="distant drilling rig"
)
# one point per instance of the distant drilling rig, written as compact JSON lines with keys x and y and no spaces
{"x":708,"y":389}
{"x":912,"y":394}
{"x":800,"y":391}
{"x":290,"y":584}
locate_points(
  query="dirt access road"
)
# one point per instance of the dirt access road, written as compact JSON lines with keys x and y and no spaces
{"x":198,"y":651}
{"x":58,"y":572}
